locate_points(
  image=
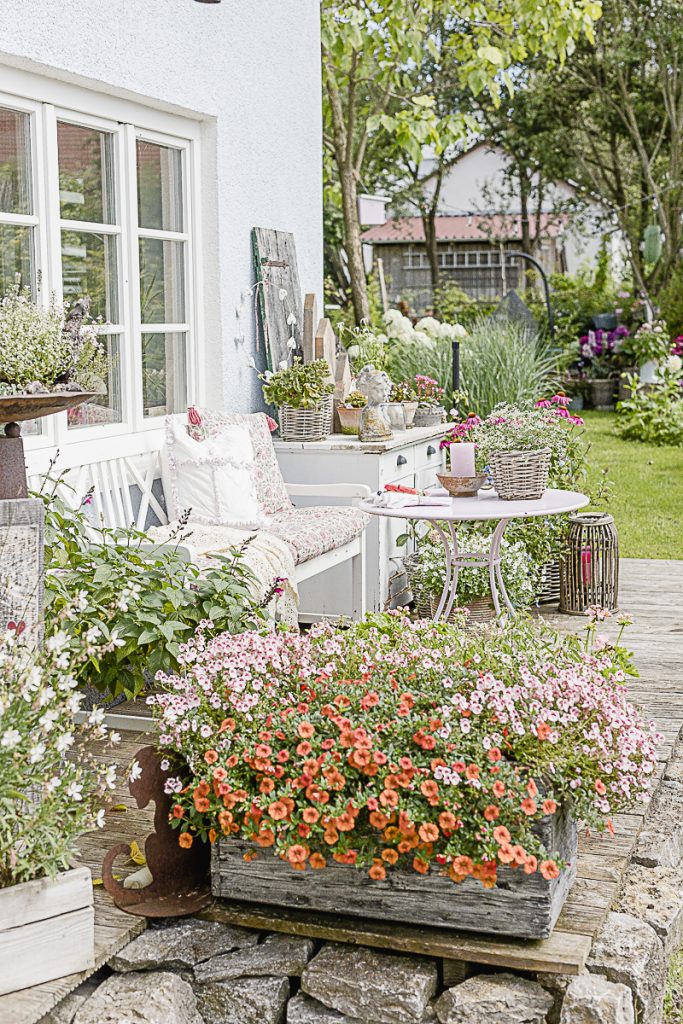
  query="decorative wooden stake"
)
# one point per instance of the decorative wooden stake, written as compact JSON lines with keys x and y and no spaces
{"x":326,"y":345}
{"x":310,"y":324}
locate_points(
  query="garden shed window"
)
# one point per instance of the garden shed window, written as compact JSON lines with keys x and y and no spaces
{"x":92,"y":205}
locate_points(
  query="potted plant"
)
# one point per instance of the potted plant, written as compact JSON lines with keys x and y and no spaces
{"x":52,"y":788}
{"x":303,"y":393}
{"x":650,"y":347}
{"x":600,"y":359}
{"x":430,"y":411}
{"x":405,"y":392}
{"x":367,"y":769}
{"x":349,"y":412}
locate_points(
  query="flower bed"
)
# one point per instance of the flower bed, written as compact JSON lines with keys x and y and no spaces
{"x":401,"y":748}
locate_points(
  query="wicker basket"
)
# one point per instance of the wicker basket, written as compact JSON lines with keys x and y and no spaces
{"x":480,"y":611}
{"x":519,"y":476}
{"x":306,"y":424}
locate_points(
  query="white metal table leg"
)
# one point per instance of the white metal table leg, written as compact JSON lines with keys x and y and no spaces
{"x":496,"y":581}
{"x":448,"y":593}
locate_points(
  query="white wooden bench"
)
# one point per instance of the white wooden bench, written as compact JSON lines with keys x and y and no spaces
{"x":128,"y":491}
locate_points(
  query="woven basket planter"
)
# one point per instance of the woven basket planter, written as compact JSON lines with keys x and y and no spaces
{"x":306,"y":424}
{"x":430,"y":416}
{"x":520,"y":476}
{"x":590,"y":567}
{"x":480,"y":611}
{"x":602,"y":393}
{"x":549,"y":589}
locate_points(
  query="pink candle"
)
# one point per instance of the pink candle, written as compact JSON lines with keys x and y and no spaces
{"x":462,"y":458}
{"x":586,"y":566}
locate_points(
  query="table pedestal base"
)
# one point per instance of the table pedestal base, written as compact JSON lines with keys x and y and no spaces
{"x":457,"y":560}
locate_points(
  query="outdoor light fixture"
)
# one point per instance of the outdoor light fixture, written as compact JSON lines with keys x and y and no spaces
{"x":208,"y":1}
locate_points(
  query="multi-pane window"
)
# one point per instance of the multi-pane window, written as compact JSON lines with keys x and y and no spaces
{"x":91,"y":206}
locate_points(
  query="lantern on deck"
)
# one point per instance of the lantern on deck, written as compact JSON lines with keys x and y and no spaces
{"x":589,"y":569}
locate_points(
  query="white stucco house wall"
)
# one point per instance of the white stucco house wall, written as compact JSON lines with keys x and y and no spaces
{"x":141,"y":138}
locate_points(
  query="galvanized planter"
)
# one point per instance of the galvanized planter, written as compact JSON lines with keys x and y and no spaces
{"x":525,"y":906}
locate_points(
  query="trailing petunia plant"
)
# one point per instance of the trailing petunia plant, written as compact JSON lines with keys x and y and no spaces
{"x":399,"y":745}
{"x":51,"y":783}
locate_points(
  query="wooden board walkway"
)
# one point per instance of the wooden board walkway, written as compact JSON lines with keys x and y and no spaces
{"x":652,"y":591}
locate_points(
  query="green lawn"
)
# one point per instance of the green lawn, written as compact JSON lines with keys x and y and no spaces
{"x":648,"y":490}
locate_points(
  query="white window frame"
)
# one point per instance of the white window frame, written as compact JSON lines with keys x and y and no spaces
{"x":48,"y":101}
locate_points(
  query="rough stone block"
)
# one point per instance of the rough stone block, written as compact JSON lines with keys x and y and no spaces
{"x":556,"y":985}
{"x":304,"y":1010}
{"x":660,"y":843}
{"x":591,"y":999}
{"x":181,"y":945}
{"x":376,"y":987}
{"x":65,"y":1011}
{"x":629,"y":952}
{"x":281,"y":955}
{"x":655,"y":895}
{"x":152,"y":997}
{"x":245,"y":1001}
{"x":503,"y":998}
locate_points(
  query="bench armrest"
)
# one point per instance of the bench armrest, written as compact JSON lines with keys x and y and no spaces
{"x":358,"y":491}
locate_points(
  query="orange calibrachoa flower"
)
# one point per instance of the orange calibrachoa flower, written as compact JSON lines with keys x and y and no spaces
{"x":394,"y":745}
{"x":185,"y":840}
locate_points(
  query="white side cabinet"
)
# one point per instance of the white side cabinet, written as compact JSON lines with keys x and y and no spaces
{"x":412,"y":458}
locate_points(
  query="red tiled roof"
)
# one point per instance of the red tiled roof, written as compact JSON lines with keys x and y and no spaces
{"x":461,"y":228}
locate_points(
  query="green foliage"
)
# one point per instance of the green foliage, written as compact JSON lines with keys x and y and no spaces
{"x":456,"y":306}
{"x":365,"y":345}
{"x":501,"y":363}
{"x":671,"y":302}
{"x":408,"y":359}
{"x":142,"y":599}
{"x":651,"y":342}
{"x":653,"y":414}
{"x":355,"y":400}
{"x":301,"y":385}
{"x":34,"y":347}
{"x":574,"y":299}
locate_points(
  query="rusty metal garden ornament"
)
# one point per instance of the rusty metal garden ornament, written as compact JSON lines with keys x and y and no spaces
{"x":179,"y":883}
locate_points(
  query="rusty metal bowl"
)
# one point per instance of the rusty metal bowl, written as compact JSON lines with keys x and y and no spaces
{"x":462,"y":486}
{"x":15,"y":408}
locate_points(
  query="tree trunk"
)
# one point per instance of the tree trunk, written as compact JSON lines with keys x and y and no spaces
{"x":429,"y":214}
{"x":524,"y":191}
{"x":353,"y":245}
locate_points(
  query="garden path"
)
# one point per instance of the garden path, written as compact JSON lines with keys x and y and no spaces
{"x":652,"y":591}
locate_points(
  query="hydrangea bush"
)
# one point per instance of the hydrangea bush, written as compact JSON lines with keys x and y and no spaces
{"x":400,"y":745}
{"x":51,"y":783}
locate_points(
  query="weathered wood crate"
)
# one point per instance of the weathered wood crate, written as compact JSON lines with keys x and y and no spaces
{"x":47,"y":930}
{"x":525,"y":906}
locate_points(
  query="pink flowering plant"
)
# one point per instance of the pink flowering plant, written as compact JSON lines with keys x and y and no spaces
{"x":399,"y":745}
{"x":427,"y":391}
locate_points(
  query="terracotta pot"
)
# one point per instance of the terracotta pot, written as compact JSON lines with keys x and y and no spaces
{"x":349,"y":419}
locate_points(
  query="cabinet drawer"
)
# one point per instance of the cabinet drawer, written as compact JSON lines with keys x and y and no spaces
{"x":396,"y":466}
{"x":428,"y":455}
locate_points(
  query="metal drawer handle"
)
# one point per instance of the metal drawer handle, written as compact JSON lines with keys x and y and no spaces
{"x":401,"y":460}
{"x":431,"y":450}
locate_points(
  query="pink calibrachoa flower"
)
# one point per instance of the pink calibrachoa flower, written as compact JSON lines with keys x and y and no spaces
{"x":346,"y":746}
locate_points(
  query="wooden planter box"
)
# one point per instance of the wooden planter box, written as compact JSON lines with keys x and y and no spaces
{"x":520,"y":905}
{"x":47,"y":930}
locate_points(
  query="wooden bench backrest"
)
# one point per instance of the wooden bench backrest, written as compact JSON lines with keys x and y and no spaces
{"x":126,"y":487}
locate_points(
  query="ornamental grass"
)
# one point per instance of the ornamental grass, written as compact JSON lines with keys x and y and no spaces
{"x":398,"y":745}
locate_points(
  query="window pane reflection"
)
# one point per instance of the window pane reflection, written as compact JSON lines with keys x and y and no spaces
{"x":89,"y":267}
{"x":162,"y":281}
{"x":159,"y":187}
{"x":16,"y":258}
{"x":15,"y":164}
{"x":164,"y":373}
{"x":104,"y":408}
{"x":86,"y":181}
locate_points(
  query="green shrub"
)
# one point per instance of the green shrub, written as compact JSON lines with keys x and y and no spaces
{"x":141,"y":600}
{"x":301,"y":385}
{"x":653,"y":415}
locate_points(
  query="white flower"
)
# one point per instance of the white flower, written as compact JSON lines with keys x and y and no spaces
{"x":674,"y":364}
{"x":165,"y":764}
{"x":10,"y":738}
{"x":36,"y":753}
{"x":96,"y":716}
{"x":115,"y":737}
{"x":56,"y":642}
{"x":64,"y":741}
{"x":135,"y":771}
{"x":74,"y":790}
{"x":283,"y":364}
{"x":353,"y":351}
{"x":282,"y":294}
{"x":47,"y":720}
{"x":458,"y":331}
{"x":100,"y":818}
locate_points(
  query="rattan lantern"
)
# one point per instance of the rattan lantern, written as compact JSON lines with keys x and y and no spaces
{"x":590,"y":566}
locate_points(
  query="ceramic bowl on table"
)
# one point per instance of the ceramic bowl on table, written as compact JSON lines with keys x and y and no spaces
{"x":462,"y":486}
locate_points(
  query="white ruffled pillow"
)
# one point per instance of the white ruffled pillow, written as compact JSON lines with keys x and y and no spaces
{"x":213,"y":477}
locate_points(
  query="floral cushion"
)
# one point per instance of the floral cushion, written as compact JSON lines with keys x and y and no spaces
{"x":271,"y":492}
{"x":314,"y":530}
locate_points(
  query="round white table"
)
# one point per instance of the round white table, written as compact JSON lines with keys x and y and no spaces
{"x":485,"y":507}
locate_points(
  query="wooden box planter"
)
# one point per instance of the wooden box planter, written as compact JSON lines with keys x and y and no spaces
{"x":525,"y":906}
{"x":47,"y":930}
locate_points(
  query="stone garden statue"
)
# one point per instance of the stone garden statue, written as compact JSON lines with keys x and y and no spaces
{"x":374,"y":422}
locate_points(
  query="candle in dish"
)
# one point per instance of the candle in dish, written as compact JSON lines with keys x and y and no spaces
{"x":462,"y":458}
